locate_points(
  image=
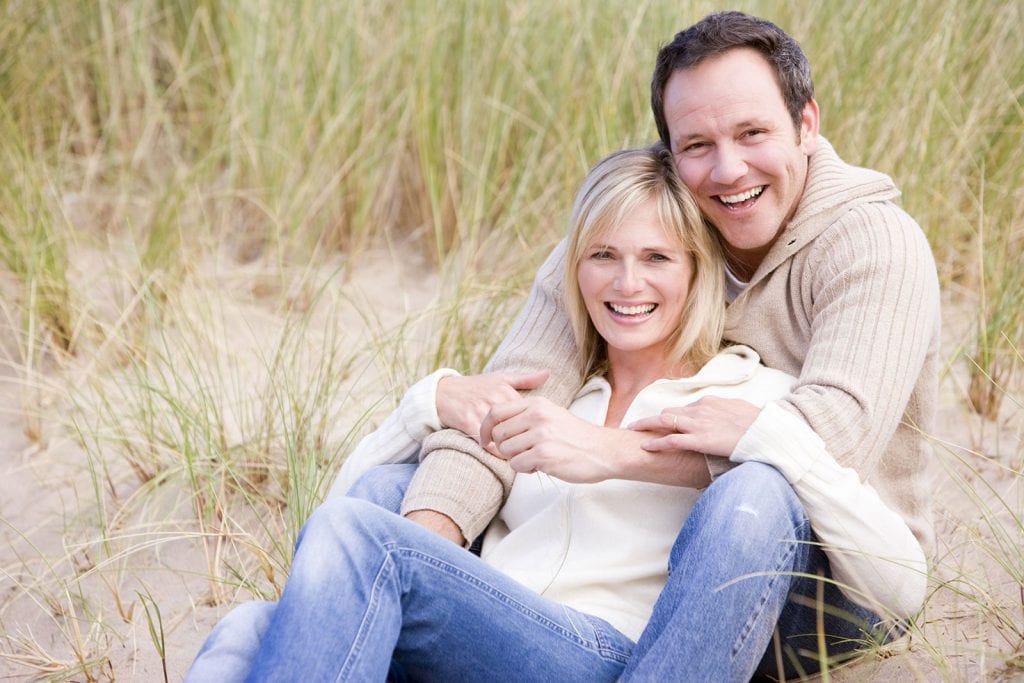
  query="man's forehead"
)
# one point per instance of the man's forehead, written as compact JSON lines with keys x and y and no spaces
{"x":703,"y":118}
{"x":728,"y":95}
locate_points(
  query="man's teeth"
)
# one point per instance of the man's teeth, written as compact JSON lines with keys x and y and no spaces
{"x":742,"y":196}
{"x":631,"y":310}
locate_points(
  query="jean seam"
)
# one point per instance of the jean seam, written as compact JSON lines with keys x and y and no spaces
{"x":600,"y":645}
{"x":372,"y":608}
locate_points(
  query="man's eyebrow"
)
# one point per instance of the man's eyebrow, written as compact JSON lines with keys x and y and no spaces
{"x":751,"y":123}
{"x":686,"y":138}
{"x":738,"y":126}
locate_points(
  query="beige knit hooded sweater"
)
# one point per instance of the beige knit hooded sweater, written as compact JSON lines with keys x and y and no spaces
{"x":847,"y":300}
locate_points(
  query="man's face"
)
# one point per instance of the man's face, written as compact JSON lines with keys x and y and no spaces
{"x":735,"y":147}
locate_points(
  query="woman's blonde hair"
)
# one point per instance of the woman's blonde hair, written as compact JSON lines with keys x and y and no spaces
{"x":618,"y":185}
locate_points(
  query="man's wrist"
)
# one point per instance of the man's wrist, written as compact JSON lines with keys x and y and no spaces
{"x":440,"y":523}
{"x":685,"y":468}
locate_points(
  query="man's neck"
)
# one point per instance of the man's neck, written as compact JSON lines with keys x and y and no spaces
{"x":742,"y":264}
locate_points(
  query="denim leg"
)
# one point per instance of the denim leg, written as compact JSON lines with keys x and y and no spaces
{"x":228,"y":651}
{"x":226,"y":655}
{"x":384,"y":485}
{"x":739,"y":554}
{"x":794,"y":652}
{"x":370,"y":592}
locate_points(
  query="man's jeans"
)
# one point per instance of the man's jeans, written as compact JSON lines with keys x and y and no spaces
{"x":744,"y":563}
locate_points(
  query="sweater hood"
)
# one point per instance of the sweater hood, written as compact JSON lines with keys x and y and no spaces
{"x":833,"y":188}
{"x":732,"y":365}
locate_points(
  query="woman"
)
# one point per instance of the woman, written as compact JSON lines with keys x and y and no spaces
{"x":569,"y":572}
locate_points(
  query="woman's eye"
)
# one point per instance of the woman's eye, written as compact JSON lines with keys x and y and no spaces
{"x":660,"y":258}
{"x":601,"y":255}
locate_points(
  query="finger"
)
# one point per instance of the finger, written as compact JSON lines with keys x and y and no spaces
{"x":528,"y":382}
{"x":511,"y":428}
{"x":499,"y":413}
{"x":514,"y":446}
{"x":671,"y":443}
{"x":657,"y":424}
{"x":523,"y":463}
{"x":487,"y":429}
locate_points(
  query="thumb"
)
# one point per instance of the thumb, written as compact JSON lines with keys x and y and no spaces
{"x":530,"y":381}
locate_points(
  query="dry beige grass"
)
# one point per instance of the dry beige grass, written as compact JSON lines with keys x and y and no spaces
{"x":231,"y":233}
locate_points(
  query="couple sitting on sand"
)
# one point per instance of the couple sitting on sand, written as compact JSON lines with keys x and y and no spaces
{"x":693,"y":514}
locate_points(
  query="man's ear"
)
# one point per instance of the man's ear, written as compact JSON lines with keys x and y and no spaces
{"x":809,"y":120}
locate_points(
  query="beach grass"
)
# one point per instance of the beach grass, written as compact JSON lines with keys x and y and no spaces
{"x":231,"y":234}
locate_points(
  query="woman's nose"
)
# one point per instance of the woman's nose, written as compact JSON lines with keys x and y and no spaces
{"x":628,"y":280}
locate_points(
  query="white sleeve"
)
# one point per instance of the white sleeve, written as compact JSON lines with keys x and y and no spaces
{"x":875,"y":560}
{"x":399,"y":437}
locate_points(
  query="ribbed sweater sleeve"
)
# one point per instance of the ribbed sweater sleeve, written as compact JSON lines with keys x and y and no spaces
{"x":848,"y":301}
{"x":874,"y":297}
{"x":456,"y":476}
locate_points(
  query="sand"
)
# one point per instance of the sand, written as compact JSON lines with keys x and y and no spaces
{"x":63,"y":592}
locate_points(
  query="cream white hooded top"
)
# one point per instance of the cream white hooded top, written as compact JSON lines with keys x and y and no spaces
{"x":603,"y":548}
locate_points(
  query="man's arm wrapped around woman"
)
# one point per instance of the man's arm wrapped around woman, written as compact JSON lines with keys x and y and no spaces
{"x":456,"y":476}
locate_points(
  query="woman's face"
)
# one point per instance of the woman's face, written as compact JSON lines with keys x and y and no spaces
{"x":635,"y":281}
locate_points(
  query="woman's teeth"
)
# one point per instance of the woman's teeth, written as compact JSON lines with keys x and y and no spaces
{"x":632,"y":310}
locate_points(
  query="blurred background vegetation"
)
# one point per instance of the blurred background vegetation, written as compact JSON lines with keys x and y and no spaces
{"x":290,"y":130}
{"x":281,"y":141}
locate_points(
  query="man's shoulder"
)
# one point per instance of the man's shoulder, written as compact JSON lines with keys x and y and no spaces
{"x":841,"y":197}
{"x":882,"y":225}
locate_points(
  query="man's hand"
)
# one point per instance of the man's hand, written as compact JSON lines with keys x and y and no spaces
{"x":535,"y":435}
{"x":711,"y":425}
{"x":462,"y":402}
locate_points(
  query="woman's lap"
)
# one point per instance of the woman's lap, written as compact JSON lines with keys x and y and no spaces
{"x":444,"y":612}
{"x":367,"y":583}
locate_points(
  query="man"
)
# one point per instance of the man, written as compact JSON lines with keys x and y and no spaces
{"x":830,"y":281}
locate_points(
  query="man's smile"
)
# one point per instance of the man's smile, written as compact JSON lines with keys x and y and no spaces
{"x":734,"y":200}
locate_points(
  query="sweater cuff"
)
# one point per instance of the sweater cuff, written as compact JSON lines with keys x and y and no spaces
{"x":717,"y":466}
{"x":780,"y":439}
{"x":418,"y":408}
{"x":440,"y":484}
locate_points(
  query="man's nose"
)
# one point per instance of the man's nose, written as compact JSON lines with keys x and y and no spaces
{"x":730,"y":166}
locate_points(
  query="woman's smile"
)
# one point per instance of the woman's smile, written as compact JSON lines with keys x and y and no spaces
{"x":631,"y":312}
{"x":634,"y":281}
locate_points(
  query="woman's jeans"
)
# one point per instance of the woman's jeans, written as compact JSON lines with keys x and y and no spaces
{"x":372,"y":596}
{"x":744,"y":566}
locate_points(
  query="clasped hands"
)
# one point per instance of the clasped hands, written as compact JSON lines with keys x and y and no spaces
{"x":535,"y":435}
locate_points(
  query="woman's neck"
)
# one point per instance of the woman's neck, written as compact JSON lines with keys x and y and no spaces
{"x":630,"y":372}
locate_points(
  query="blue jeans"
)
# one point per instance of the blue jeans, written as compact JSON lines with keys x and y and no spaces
{"x":744,"y":567}
{"x":372,"y":596}
{"x":746,"y":590}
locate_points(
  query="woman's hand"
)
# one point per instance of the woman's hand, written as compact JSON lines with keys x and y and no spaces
{"x":710,"y":425}
{"x":535,"y":435}
{"x":463,"y":402}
